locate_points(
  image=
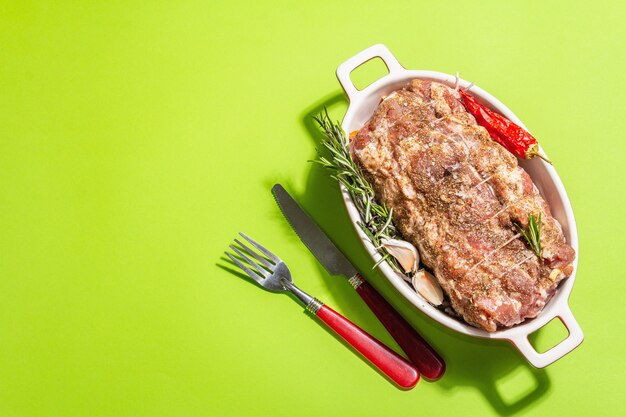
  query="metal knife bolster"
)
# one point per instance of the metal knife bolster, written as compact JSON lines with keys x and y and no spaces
{"x":356,"y":280}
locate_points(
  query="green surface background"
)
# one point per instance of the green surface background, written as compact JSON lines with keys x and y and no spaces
{"x":137,"y":138}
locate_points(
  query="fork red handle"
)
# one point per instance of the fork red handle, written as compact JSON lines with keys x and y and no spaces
{"x":387,"y":361}
{"x":428,"y":361}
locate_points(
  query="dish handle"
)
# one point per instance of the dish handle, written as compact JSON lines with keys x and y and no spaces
{"x":375,"y":51}
{"x":541,"y":360}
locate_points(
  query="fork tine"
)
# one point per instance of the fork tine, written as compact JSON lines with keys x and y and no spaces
{"x":258,"y":257}
{"x":247,"y":270}
{"x":256,"y":267}
{"x":261,"y":248}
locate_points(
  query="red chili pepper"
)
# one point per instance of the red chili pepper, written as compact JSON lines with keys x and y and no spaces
{"x":513,"y":137}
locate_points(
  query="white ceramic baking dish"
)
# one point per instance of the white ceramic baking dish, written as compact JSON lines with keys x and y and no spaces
{"x":362,"y":105}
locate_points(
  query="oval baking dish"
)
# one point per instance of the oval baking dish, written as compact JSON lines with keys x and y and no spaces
{"x":362,"y":105}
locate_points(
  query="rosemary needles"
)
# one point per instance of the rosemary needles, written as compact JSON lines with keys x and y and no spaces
{"x":533,"y":235}
{"x":377,"y":219}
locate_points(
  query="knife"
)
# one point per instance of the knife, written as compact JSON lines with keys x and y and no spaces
{"x":429,"y":363}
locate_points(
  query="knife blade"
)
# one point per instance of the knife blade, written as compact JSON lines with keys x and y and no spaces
{"x":312,"y":236}
{"x":428,"y":361}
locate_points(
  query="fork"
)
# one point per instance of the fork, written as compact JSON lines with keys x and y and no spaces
{"x":271,"y":273}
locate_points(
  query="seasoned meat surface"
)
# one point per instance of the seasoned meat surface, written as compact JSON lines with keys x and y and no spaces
{"x":455,"y":195}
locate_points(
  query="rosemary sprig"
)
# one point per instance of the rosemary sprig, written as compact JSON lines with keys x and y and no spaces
{"x":533,"y":235}
{"x":377,"y":219}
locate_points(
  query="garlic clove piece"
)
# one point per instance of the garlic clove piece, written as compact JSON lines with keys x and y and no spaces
{"x":406,"y":254}
{"x":556,"y":274}
{"x":426,"y":284}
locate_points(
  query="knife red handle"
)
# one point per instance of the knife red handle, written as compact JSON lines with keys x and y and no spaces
{"x":430,"y":364}
{"x":389,"y":362}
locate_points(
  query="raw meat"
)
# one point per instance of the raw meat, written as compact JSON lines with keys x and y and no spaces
{"x":455,"y":194}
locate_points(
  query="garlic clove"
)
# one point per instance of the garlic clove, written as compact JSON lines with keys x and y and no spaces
{"x":426,"y":284}
{"x":406,"y":254}
{"x":555,"y":274}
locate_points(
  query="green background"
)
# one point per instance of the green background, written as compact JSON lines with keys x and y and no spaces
{"x":137,"y":138}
